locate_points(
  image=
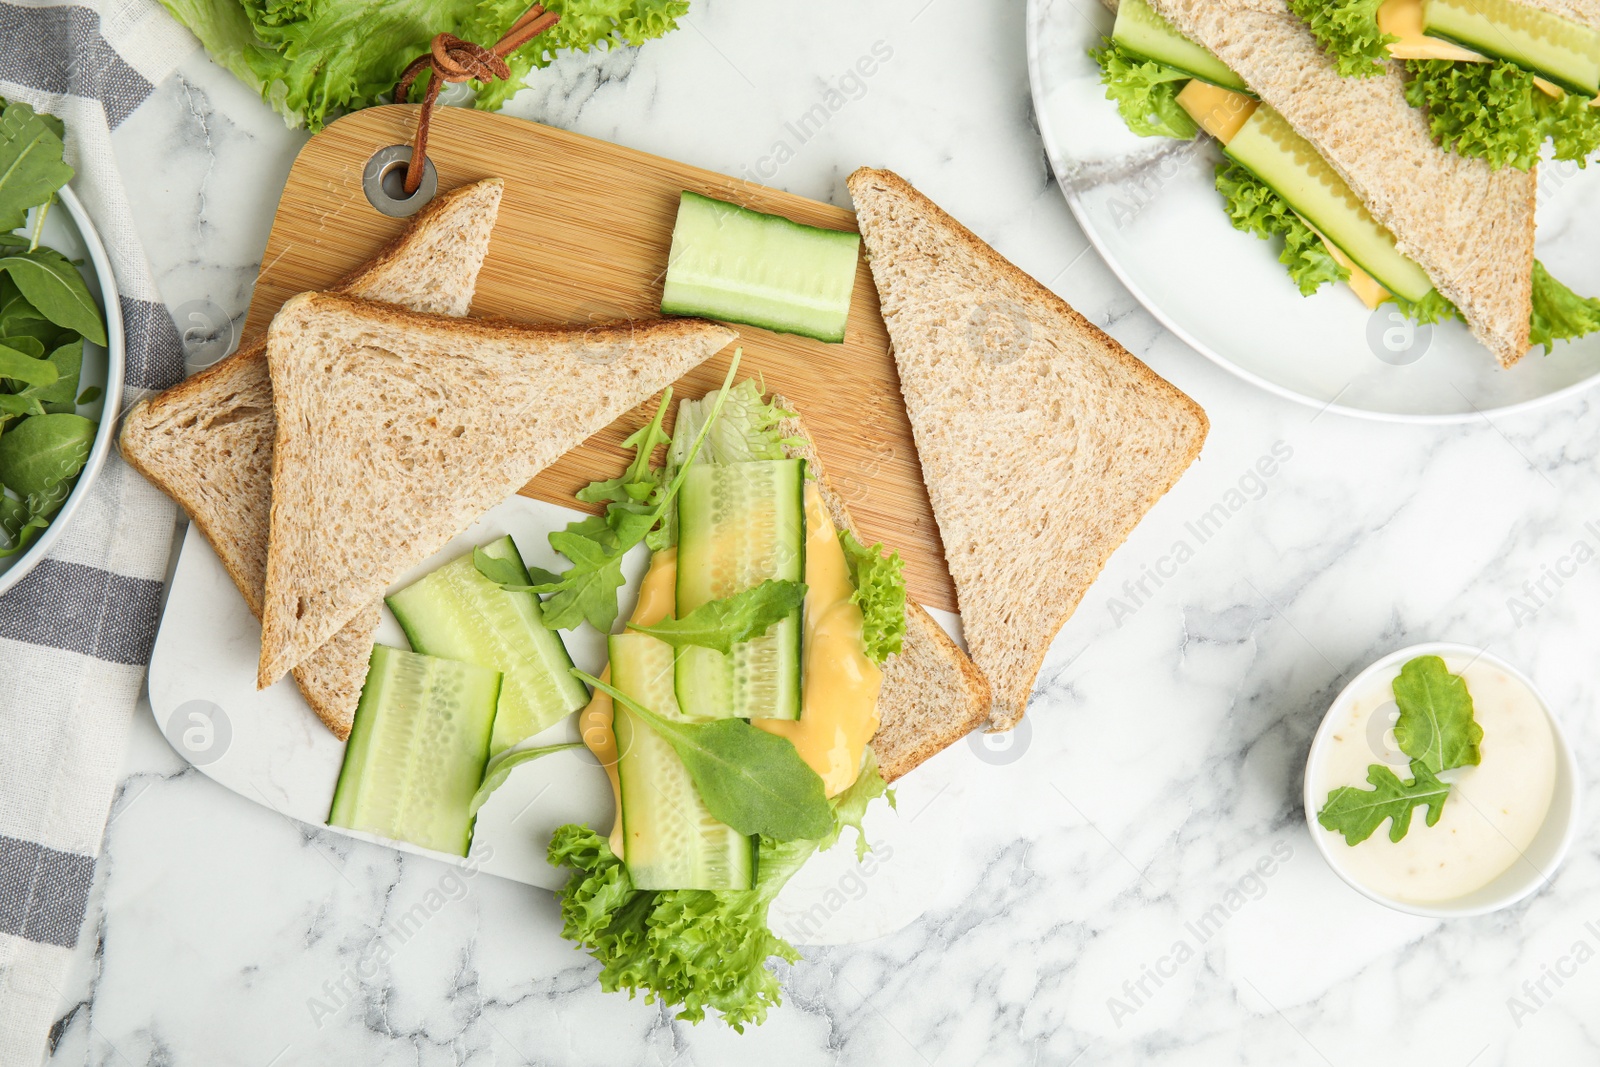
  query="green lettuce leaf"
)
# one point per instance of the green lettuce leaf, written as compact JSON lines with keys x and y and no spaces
{"x":1559,"y":314}
{"x":1356,"y":813}
{"x":1254,"y":207}
{"x":692,"y":949}
{"x":1431,"y":309}
{"x":1571,"y":124}
{"x":1483,"y":110}
{"x":1348,"y":30}
{"x":312,"y":60}
{"x":880,"y":583}
{"x":1145,"y":92}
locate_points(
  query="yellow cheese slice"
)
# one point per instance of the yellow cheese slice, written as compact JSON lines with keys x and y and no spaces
{"x":1220,"y":112}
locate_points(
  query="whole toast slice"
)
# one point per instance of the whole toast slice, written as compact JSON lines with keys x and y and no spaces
{"x":398,"y":430}
{"x":932,"y":695}
{"x":1043,"y":442}
{"x":207,"y":442}
{"x":1468,"y":226}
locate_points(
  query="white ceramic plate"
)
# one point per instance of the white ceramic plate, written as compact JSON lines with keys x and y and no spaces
{"x":72,"y":234}
{"x":1148,"y":204}
{"x":267,"y":746}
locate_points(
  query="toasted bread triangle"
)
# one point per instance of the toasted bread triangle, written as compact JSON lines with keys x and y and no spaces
{"x":1043,"y":442}
{"x":932,"y":695}
{"x":397,"y":430}
{"x":1468,"y":226}
{"x":207,"y":442}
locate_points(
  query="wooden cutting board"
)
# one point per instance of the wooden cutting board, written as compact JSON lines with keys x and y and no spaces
{"x":582,"y":236}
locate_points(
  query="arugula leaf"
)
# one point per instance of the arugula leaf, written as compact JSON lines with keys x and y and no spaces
{"x":691,"y":948}
{"x":499,"y":770}
{"x":1254,"y":207}
{"x":19,"y":404}
{"x":1145,"y":92}
{"x":640,"y":479}
{"x":587,"y":591}
{"x":67,"y":360}
{"x":1559,"y":314}
{"x":754,"y":781}
{"x":507,"y":575}
{"x":880,"y":583}
{"x":21,"y":367}
{"x":31,"y":164}
{"x":43,"y":452}
{"x":1356,"y":813}
{"x":50,"y":282}
{"x":21,"y":519}
{"x":1435,"y":727}
{"x":1348,"y":31}
{"x":721,"y":624}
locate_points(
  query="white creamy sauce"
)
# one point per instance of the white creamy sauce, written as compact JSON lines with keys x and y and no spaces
{"x":1494,"y":809}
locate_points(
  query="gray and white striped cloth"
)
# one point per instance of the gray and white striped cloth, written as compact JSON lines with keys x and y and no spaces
{"x":76,"y":633}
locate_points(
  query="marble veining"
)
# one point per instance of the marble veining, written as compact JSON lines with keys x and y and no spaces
{"x":1100,"y":895}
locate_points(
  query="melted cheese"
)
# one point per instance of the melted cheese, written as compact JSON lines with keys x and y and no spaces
{"x":839,"y":704}
{"x":657,"y":599}
{"x":1220,"y":112}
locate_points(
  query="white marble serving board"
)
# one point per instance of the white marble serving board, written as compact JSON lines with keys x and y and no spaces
{"x":267,"y":746}
{"x":1150,"y":206}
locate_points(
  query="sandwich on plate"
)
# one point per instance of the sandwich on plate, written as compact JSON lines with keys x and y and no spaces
{"x":768,"y":676}
{"x":1299,"y":168}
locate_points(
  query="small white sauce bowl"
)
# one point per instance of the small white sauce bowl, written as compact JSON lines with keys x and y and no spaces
{"x":1544,"y":854}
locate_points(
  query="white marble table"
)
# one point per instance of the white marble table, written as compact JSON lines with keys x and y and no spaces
{"x":1161,"y":759}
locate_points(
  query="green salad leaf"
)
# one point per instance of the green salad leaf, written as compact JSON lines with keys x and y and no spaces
{"x":49,"y":281}
{"x":1348,"y":31}
{"x":640,"y":480}
{"x":880,"y":582}
{"x":1484,"y":110}
{"x":1559,"y":314}
{"x":1433,"y":308}
{"x":499,"y":770}
{"x":1435,"y":726}
{"x":31,"y":163}
{"x":312,"y":60}
{"x":1356,"y":813}
{"x":754,"y":781}
{"x":721,"y":624}
{"x":1571,"y":124}
{"x":21,"y":367}
{"x":1254,"y":207}
{"x":692,"y":949}
{"x":1145,"y":92}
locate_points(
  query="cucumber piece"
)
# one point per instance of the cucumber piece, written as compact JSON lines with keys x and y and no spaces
{"x":1280,"y":157}
{"x":457,"y":613}
{"x":738,"y":525}
{"x":417,"y":750}
{"x":1140,"y":28}
{"x":738,"y":265}
{"x":1559,"y":49}
{"x":670,"y":840}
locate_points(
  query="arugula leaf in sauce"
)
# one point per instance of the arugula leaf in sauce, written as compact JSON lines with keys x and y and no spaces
{"x":1356,"y":813}
{"x":1435,"y":725}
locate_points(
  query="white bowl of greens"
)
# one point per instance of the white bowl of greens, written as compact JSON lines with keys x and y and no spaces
{"x":61,"y":344}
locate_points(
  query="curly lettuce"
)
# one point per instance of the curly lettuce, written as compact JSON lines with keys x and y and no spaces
{"x":1559,"y":314}
{"x":313,"y":60}
{"x":1431,"y":309}
{"x":692,"y":949}
{"x":1348,"y":31}
{"x":1485,"y":110}
{"x":880,"y":583}
{"x":1572,"y":126}
{"x":1145,"y":92}
{"x":1254,"y":207}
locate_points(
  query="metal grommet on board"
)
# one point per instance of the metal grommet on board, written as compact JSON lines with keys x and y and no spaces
{"x":384,"y":182}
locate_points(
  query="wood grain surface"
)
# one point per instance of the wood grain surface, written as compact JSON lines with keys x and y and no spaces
{"x":583,"y":235}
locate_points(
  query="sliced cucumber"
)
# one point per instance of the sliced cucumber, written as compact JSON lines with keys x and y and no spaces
{"x":1287,"y":162}
{"x":738,"y":265}
{"x":1559,"y":49}
{"x":1140,"y":28}
{"x":417,"y":750}
{"x":740,"y":524}
{"x":670,"y":840}
{"x":457,"y":613}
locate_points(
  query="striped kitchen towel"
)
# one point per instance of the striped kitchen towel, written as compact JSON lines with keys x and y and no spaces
{"x":76,"y":633}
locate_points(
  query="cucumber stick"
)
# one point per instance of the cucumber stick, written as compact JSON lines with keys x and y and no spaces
{"x":1561,"y":50}
{"x":457,"y":613}
{"x":738,"y":265}
{"x":417,"y":750}
{"x":740,"y":524}
{"x":670,"y":840}
{"x":1140,"y":29}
